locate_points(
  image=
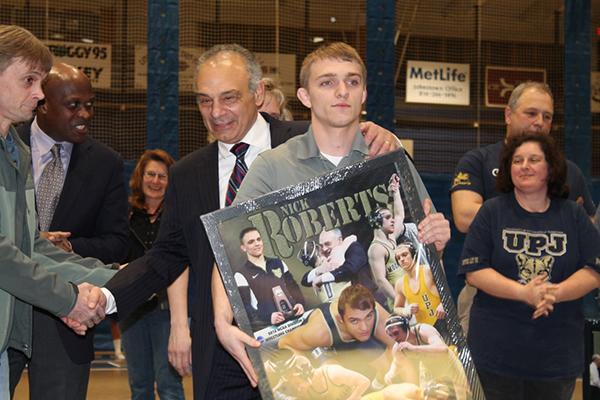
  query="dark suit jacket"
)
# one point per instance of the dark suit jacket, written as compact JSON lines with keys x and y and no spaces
{"x":193,"y":191}
{"x":93,"y":207}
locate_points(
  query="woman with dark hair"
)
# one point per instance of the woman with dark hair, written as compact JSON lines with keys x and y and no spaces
{"x":145,"y":333}
{"x":532,"y":254}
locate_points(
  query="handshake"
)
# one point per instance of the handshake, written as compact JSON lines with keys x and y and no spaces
{"x":89,"y":309}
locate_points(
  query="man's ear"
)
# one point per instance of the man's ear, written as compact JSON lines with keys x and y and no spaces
{"x":304,"y":97}
{"x":507,"y":114}
{"x":259,"y":94}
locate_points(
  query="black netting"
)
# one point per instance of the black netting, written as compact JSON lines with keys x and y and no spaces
{"x":281,"y":32}
{"x":517,"y":34}
{"x":101,"y":38}
{"x":522,"y":35}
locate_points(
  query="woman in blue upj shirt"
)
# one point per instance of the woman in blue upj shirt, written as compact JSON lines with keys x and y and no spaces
{"x":532,"y":254}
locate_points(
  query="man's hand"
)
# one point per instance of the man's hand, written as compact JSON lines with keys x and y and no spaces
{"x":379,"y":140}
{"x":321,"y":269}
{"x":90,"y":306}
{"x":298,"y":309}
{"x":394,"y":183}
{"x":317,"y":282}
{"x":78,"y":328}
{"x":412,"y":309}
{"x":403,"y":346}
{"x":59,"y":239}
{"x":234,"y":341}
{"x":277,"y":317}
{"x":180,"y":349}
{"x":434,"y":228}
{"x":440,"y":313}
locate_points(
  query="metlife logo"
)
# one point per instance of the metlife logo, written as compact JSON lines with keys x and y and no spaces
{"x":437,"y":83}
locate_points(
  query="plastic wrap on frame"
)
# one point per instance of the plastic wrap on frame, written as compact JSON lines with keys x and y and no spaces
{"x":396,"y":162}
{"x":457,"y":336}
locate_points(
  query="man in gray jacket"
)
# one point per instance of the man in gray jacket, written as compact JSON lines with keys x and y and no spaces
{"x":32,"y":270}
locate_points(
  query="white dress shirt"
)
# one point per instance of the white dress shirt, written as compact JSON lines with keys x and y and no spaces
{"x":41,"y":144}
{"x":594,"y":378}
{"x":259,"y":139}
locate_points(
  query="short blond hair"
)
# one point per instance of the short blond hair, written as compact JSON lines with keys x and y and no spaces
{"x":19,"y":43}
{"x":336,"y":51}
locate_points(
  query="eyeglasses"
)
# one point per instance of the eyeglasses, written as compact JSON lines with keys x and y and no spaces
{"x":152,"y":175}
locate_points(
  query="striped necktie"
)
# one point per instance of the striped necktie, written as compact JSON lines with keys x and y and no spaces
{"x":49,"y":188}
{"x":239,"y":171}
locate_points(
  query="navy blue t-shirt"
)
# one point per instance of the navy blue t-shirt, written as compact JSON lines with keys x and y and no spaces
{"x":520,"y":245}
{"x":478,"y":168}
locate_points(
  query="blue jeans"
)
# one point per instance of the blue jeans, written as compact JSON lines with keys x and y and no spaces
{"x":145,"y":339}
{"x":4,"y":382}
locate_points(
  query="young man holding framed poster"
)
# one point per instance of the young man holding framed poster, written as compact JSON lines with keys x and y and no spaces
{"x":333,"y":86}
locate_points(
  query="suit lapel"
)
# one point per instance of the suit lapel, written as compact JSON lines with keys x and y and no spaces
{"x":279,"y":133}
{"x":208,"y":176}
{"x":282,"y":131}
{"x":277,"y":130}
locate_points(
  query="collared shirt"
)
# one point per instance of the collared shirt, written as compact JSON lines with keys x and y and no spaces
{"x":11,"y":148}
{"x":293,"y":162}
{"x":258,"y":138}
{"x":594,"y":376}
{"x":41,"y":144}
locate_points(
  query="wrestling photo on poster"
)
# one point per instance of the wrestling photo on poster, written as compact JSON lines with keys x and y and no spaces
{"x":330,"y":277}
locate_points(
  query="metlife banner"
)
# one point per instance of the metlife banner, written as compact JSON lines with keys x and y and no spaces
{"x":437,"y":83}
{"x":94,"y":60}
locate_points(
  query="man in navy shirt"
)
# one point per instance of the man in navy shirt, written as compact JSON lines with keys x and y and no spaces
{"x":530,"y":109}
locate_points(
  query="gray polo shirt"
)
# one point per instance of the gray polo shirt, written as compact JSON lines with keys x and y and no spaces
{"x":295,"y":161}
{"x":298,"y":160}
